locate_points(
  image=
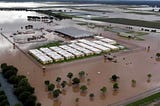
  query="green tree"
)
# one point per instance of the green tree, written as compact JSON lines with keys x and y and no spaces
{"x":63,"y":84}
{"x":58,"y":80}
{"x":56,"y":93}
{"x":81,"y":74}
{"x":51,"y":87}
{"x":31,"y":101}
{"x":158,"y":55}
{"x":17,"y":104}
{"x":114,"y":78}
{"x":38,"y":104}
{"x":115,"y":86}
{"x":103,"y":90}
{"x":133,"y":83}
{"x":47,"y":82}
{"x":70,"y":75}
{"x":76,"y":81}
{"x":77,"y":100}
{"x":91,"y":95}
{"x":149,"y":77}
{"x":83,"y":88}
{"x":24,"y":96}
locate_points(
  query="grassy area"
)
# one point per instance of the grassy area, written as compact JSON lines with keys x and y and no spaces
{"x":55,"y":43}
{"x":146,"y":101}
{"x":59,"y":15}
{"x":141,"y":23}
{"x":138,"y":35}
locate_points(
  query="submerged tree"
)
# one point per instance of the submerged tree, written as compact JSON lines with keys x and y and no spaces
{"x":115,"y":86}
{"x":103,"y":90}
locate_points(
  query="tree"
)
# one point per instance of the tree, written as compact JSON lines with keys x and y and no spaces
{"x":51,"y":87}
{"x":114,"y":78}
{"x":3,"y":65}
{"x":133,"y":83}
{"x":38,"y":104}
{"x":81,"y":74}
{"x":76,"y":81}
{"x":103,"y":90}
{"x":83,"y":88}
{"x":91,"y":95}
{"x":46,"y":82}
{"x":23,"y":82}
{"x":24,"y":96}
{"x":9,"y":73}
{"x":149,"y":77}
{"x":70,"y":75}
{"x":17,"y":104}
{"x":56,"y":93}
{"x":63,"y":84}
{"x":31,"y":101}
{"x":58,"y":80}
{"x":158,"y":55}
{"x":77,"y":100}
{"x":115,"y":86}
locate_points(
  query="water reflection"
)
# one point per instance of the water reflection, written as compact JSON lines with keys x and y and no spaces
{"x":12,"y":16}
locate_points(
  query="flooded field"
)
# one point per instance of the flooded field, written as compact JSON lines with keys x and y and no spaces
{"x":137,"y":64}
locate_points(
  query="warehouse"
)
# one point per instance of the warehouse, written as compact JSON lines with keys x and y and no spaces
{"x":56,"y":57}
{"x":85,"y":51}
{"x":44,"y":59}
{"x":62,"y":52}
{"x":90,"y":43}
{"x":112,"y":47}
{"x":74,"y":32}
{"x":71,"y":50}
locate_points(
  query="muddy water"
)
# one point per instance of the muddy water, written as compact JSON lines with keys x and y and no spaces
{"x":141,"y":65}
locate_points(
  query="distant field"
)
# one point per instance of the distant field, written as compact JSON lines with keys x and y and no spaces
{"x":141,"y":23}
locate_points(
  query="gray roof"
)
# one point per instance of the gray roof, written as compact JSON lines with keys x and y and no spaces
{"x":74,"y":32}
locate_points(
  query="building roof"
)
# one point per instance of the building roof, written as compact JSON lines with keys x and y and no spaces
{"x":74,"y":32}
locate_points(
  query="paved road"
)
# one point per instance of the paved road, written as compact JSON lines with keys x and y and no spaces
{"x":8,"y":89}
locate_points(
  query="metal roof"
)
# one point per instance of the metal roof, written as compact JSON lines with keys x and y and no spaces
{"x":74,"y":32}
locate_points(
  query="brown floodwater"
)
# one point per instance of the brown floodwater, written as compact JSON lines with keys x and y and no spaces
{"x":135,"y":66}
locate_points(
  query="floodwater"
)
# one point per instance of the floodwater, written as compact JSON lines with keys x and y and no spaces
{"x":135,"y":66}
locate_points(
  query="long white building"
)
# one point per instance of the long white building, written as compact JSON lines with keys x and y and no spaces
{"x":62,"y":52}
{"x":112,"y":47}
{"x":73,"y":51}
{"x":44,"y":59}
{"x":55,"y":56}
{"x":95,"y":50}
{"x":85,"y":51}
{"x":90,"y":43}
{"x":109,"y":41}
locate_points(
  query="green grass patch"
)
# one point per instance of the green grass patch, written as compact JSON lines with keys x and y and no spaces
{"x":54,"y":43}
{"x":141,"y":23}
{"x":146,"y":101}
{"x":59,"y":15}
